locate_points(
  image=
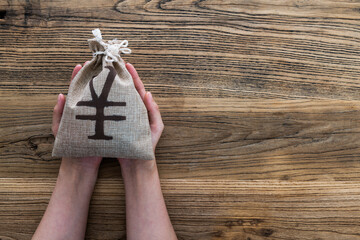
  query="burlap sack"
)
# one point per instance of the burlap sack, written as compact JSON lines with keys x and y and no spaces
{"x":104,"y":115}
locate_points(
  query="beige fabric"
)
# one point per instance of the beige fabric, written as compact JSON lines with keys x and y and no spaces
{"x":131,"y":138}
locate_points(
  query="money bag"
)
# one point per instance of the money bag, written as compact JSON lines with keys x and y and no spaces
{"x":104,"y":115}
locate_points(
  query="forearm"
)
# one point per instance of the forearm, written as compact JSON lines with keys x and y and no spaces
{"x":66,"y":214}
{"x":146,"y":214}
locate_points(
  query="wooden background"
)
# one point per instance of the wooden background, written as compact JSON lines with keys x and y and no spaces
{"x":260,"y":101}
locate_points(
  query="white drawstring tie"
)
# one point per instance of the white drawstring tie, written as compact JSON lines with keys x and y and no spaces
{"x":112,"y":49}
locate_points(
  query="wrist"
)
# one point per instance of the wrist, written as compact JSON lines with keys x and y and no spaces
{"x":133,"y":168}
{"x":73,"y":168}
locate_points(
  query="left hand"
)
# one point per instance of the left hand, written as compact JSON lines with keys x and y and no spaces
{"x":84,"y":162}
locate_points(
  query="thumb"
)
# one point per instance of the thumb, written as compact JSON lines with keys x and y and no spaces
{"x":58,"y":110}
{"x":77,"y":68}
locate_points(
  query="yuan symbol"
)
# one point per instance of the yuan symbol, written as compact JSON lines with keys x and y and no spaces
{"x":100,"y":102}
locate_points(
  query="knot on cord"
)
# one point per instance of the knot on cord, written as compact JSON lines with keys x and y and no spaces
{"x":112,"y":48}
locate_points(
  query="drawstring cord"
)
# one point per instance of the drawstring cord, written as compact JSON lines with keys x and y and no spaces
{"x":112,"y":49}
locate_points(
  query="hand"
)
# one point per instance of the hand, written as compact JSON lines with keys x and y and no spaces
{"x":156,"y":123}
{"x":85,"y":163}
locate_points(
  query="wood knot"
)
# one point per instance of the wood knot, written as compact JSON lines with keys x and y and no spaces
{"x":266,"y":232}
{"x":41,"y":146}
{"x":2,"y":14}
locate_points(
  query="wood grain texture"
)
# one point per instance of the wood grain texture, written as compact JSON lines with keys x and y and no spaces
{"x":212,"y":138}
{"x":203,"y":209}
{"x":291,"y":48}
{"x":260,"y":101}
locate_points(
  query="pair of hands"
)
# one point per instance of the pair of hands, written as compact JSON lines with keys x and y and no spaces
{"x":155,"y":120}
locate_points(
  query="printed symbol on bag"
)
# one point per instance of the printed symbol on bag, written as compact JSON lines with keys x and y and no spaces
{"x":100,"y":102}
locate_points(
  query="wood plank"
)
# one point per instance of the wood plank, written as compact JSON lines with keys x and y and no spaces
{"x":206,"y":209}
{"x":209,"y":137}
{"x":232,"y":48}
{"x":260,"y":101}
{"x":249,"y":90}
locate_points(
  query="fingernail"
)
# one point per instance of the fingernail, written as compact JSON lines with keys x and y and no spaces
{"x":59,"y":98}
{"x":86,"y":62}
{"x":150,"y":95}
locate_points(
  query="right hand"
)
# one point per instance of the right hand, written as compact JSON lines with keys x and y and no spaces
{"x":155,"y":121}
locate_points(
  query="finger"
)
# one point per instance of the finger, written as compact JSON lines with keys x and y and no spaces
{"x":86,"y":62}
{"x":58,"y":110}
{"x":137,"y":81}
{"x":75,"y":71}
{"x":155,"y":119}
